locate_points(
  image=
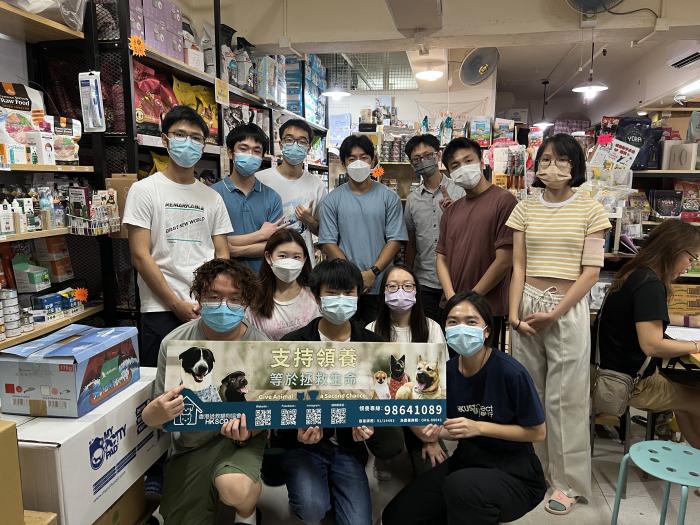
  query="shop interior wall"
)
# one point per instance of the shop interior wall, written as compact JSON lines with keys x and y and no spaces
{"x":560,"y":107}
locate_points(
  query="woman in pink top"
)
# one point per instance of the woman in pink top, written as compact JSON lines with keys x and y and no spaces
{"x":286,"y":303}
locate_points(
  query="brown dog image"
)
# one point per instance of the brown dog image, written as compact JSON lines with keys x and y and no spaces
{"x":381,"y":385}
{"x":426,"y":385}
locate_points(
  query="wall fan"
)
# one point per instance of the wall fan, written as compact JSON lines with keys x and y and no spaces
{"x":478,"y":65}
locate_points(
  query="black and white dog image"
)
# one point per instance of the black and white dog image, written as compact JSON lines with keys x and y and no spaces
{"x":234,"y":387}
{"x":197,"y":366}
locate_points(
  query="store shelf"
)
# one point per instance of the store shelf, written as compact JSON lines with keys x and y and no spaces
{"x":246,"y":96}
{"x":34,"y":235}
{"x":320,"y":167}
{"x":291,"y":114}
{"x":391,"y":163}
{"x":619,"y":255}
{"x":656,"y":223}
{"x":177,"y":67}
{"x":671,"y":174}
{"x":32,"y":28}
{"x":47,"y":328}
{"x":690,"y":276}
{"x":48,"y":168}
{"x":151,"y":141}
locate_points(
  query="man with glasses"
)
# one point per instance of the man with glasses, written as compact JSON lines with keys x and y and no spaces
{"x":255,"y":209}
{"x":475,"y":248}
{"x":423,"y":212}
{"x":208,"y":467}
{"x":301,"y":192}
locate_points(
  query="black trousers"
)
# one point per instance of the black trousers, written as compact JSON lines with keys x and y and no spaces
{"x":154,"y":327}
{"x":367,"y":309}
{"x":431,"y":303}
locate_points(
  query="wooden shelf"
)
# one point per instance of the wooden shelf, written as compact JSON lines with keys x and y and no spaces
{"x":151,"y":141}
{"x":47,"y":328}
{"x":34,"y":235}
{"x":656,"y":223}
{"x":174,"y":66}
{"x":246,"y":96}
{"x":671,"y":174}
{"x":48,"y":168}
{"x":32,"y":28}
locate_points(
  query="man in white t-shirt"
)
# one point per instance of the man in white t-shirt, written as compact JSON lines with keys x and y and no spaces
{"x":175,"y":224}
{"x":301,"y":192}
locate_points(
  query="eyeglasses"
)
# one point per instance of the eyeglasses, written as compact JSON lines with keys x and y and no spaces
{"x":233,"y":304}
{"x":419,"y":158}
{"x":288,"y":141}
{"x":408,"y":287}
{"x":559,"y":163}
{"x":693,"y":258}
{"x":181,"y":135}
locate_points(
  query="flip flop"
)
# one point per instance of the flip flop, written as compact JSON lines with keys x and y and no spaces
{"x":559,"y":503}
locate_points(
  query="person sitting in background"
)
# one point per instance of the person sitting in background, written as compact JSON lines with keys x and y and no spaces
{"x":635,"y":316}
{"x":285,"y":302}
{"x":207,"y":467}
{"x":495,"y":415}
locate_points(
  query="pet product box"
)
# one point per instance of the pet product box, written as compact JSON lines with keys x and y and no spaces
{"x":194,"y":58}
{"x":51,"y":248}
{"x":28,"y":277}
{"x":59,"y":269}
{"x":10,"y":483}
{"x":78,"y":468}
{"x":156,"y":34}
{"x":47,"y":308}
{"x":137,"y":23}
{"x":42,"y":143}
{"x":175,"y":45}
{"x":69,"y":372}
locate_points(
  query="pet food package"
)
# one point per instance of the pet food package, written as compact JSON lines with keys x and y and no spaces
{"x":21,"y":112}
{"x":67,"y":133}
{"x":73,"y":371}
{"x":79,"y":468}
{"x":147,"y":101}
{"x":636,"y":131}
{"x":480,"y":131}
{"x":503,"y":129}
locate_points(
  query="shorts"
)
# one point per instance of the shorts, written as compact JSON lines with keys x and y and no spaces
{"x":657,"y":393}
{"x":189,"y":494}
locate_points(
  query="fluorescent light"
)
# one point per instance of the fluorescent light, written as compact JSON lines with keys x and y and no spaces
{"x":589,"y":87}
{"x":578,"y":134}
{"x":335,"y":93}
{"x":431,"y":75}
{"x":690,"y":88}
{"x":642,"y":113}
{"x":542,"y":124}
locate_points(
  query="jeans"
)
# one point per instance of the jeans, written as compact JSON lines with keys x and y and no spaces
{"x":324,"y":477}
{"x":154,"y":327}
{"x":431,"y":303}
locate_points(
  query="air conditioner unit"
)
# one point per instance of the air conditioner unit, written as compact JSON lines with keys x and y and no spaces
{"x":683,"y":54}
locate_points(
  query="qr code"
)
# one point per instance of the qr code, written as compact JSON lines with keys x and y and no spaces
{"x":338,"y":416}
{"x":313,"y":416}
{"x":289,"y":417}
{"x":263,"y":418}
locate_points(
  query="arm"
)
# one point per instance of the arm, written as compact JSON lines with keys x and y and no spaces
{"x":332,"y":251}
{"x":250,"y":250}
{"x":517,"y":279}
{"x":497,"y":271}
{"x":386,"y":257}
{"x":651,"y":339}
{"x":411,"y":249}
{"x":256,"y":237}
{"x":221,"y":250}
{"x":462,"y":428}
{"x":444,"y":276}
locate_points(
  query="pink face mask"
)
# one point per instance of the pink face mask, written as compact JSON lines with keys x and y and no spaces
{"x":400,"y":301}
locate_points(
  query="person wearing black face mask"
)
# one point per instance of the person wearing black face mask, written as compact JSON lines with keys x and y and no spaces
{"x":423,"y":212}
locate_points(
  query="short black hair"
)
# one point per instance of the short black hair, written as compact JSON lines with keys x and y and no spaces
{"x":297,"y":123}
{"x":179,"y":113}
{"x":356,"y":141}
{"x":426,"y":138}
{"x":482,"y":306}
{"x":456,"y":144}
{"x":336,"y":273}
{"x":247,"y":131}
{"x":566,"y":146}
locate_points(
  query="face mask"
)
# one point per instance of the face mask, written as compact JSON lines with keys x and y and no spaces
{"x":426,"y":167}
{"x":359,"y":170}
{"x":468,"y":176}
{"x":184,"y":152}
{"x":400,"y":301}
{"x":554,"y":177}
{"x":222,"y":318}
{"x":245,"y":164}
{"x":337,"y":309}
{"x":465,"y":340}
{"x":287,"y":270}
{"x":294,"y":153}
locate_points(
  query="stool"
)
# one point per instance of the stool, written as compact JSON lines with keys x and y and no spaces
{"x":671,"y":462}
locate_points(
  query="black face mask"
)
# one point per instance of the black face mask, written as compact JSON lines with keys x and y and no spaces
{"x":426,"y":167}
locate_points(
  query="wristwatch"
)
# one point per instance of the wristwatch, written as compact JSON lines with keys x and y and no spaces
{"x":375,"y":270}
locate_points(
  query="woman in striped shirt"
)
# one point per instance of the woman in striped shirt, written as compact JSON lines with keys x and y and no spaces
{"x":558,"y":247}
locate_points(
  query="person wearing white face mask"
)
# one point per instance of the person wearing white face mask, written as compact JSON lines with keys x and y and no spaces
{"x":494,"y":414}
{"x":362,"y":221}
{"x":285,"y":303}
{"x":474,"y":250}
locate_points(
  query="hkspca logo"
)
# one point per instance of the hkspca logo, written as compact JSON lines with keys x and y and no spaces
{"x":105,"y":446}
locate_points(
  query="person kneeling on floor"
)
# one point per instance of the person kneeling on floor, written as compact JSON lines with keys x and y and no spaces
{"x":495,"y":415}
{"x":206,"y":468}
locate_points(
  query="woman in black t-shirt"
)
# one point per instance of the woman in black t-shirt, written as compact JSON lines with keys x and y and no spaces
{"x":634,"y":319}
{"x":494,"y":413}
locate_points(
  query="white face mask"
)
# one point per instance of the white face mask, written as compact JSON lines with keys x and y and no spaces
{"x":359,"y":170}
{"x":468,"y":176}
{"x":287,"y":270}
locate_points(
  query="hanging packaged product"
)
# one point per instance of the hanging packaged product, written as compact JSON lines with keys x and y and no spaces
{"x":21,"y":111}
{"x":503,"y":129}
{"x":480,"y":131}
{"x":66,"y":136}
{"x":91,"y":102}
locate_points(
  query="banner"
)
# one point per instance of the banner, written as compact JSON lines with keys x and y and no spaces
{"x":299,"y":384}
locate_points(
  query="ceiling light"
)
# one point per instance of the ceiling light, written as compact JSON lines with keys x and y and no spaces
{"x":590,"y":88}
{"x":544,"y":123}
{"x":335,"y":93}
{"x":690,"y":88}
{"x":642,"y":113}
{"x":431,"y":75}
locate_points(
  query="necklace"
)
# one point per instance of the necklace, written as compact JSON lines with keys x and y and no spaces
{"x":481,"y":365}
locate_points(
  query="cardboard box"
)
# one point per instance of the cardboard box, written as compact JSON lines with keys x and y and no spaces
{"x":137,"y":23}
{"x":685,"y":299}
{"x":51,"y":248}
{"x":194,"y":58}
{"x":155,"y":34}
{"x":43,"y":143}
{"x":79,"y":468}
{"x":59,"y":270}
{"x":10,"y":483}
{"x":154,"y":9}
{"x":128,"y":509}
{"x":121,"y":182}
{"x":32,"y":517}
{"x":173,"y":17}
{"x":69,"y":372}
{"x":30,"y":278}
{"x":175,"y":45}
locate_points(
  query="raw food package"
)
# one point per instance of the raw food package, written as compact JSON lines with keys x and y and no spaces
{"x":147,"y":100}
{"x":21,"y":111}
{"x":67,"y":133}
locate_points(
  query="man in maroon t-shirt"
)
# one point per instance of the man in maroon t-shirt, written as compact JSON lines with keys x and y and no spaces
{"x":475,"y":247}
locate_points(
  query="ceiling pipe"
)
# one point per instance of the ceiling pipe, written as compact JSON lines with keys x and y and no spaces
{"x":577,"y":72}
{"x":359,"y":74}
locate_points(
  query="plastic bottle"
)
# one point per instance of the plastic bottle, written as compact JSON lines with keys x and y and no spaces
{"x":19,"y":218}
{"x":7,"y":223}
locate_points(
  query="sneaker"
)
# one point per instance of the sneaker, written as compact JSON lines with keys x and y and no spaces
{"x":382,"y":469}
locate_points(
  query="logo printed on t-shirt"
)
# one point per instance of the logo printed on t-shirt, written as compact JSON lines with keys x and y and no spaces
{"x":476,"y":409}
{"x":185,"y":223}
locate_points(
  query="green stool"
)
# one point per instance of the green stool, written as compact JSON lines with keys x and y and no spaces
{"x":671,"y":462}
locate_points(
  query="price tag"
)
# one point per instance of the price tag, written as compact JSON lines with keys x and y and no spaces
{"x":221,"y":92}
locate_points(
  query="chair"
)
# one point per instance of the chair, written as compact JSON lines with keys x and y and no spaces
{"x":672,"y":462}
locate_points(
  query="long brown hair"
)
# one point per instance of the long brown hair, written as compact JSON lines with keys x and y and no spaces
{"x":268,"y":281}
{"x":660,"y":252}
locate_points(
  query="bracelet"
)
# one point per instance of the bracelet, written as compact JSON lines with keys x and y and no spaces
{"x":697,"y":348}
{"x":517,"y":325}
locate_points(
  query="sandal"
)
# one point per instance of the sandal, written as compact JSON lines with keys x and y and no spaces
{"x":559,"y":503}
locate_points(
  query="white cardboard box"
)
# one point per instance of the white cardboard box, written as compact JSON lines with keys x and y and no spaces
{"x":78,"y":468}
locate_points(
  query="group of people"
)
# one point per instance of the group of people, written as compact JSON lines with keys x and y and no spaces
{"x":236,"y":262}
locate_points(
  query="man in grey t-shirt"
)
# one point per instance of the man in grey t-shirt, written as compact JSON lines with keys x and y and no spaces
{"x":229,"y":460}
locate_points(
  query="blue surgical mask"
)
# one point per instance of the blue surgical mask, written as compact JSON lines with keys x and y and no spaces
{"x":184,"y":152}
{"x":465,"y":340}
{"x":222,"y":318}
{"x":337,"y":309}
{"x":294,"y":153}
{"x":246,"y":164}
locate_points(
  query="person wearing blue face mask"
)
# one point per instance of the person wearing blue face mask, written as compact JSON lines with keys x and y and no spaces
{"x":208,"y":466}
{"x":301,"y":192}
{"x":494,"y":414}
{"x":255,"y":209}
